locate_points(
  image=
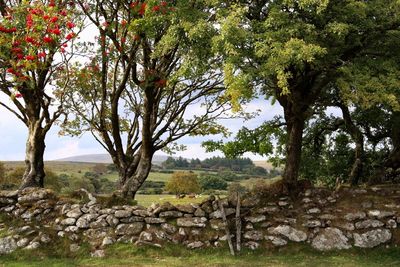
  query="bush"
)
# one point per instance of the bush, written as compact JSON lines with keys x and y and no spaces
{"x":183,"y":183}
{"x":213,"y":182}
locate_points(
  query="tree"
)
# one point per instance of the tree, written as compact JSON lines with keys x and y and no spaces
{"x":183,"y":183}
{"x":294,"y":51}
{"x":33,"y":41}
{"x":152,"y":63}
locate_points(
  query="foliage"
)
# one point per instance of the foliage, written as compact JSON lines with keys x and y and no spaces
{"x":148,"y":64}
{"x":296,"y":52}
{"x":183,"y":183}
{"x":214,"y":182}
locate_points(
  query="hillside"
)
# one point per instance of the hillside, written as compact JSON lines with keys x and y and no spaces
{"x":104,"y":158}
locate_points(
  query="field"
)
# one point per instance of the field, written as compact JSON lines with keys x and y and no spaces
{"x":75,"y":171}
{"x":172,"y":255}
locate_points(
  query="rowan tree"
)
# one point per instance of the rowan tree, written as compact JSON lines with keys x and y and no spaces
{"x":151,"y":79}
{"x":34,"y":36}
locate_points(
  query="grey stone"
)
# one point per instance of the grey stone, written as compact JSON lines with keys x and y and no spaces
{"x":68,"y":221}
{"x":312,"y":223}
{"x":218,"y":214}
{"x":289,"y":232}
{"x":98,"y":254}
{"x":283,"y":203}
{"x":330,"y":239}
{"x":169,"y":228}
{"x":31,"y":195}
{"x":71,"y":229}
{"x":276,"y":241}
{"x":369,"y":223}
{"x":45,"y":238}
{"x":380,"y":214}
{"x":255,"y":219}
{"x":185,"y":208}
{"x":253,"y":235}
{"x":372,"y":238}
{"x":306,"y":200}
{"x":348,"y":226}
{"x":195,"y":245}
{"x":217,"y":224}
{"x":99,"y":223}
{"x":111,"y":220}
{"x":252,"y":245}
{"x":314,"y":211}
{"x":391,"y":224}
{"x":268,"y":209}
{"x":23,"y":242}
{"x":75,"y":213}
{"x":249,"y":226}
{"x":192,"y":222}
{"x":153,"y":220}
{"x":122,"y":213}
{"x":141,"y":213}
{"x":170,"y":214}
{"x":129,"y":229}
{"x":355,"y":216}
{"x":7,"y":245}
{"x":199,"y":213}
{"x":33,"y":245}
{"x":108,"y":241}
{"x":146,"y":236}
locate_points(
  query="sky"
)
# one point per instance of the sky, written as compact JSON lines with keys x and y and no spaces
{"x":13,"y":134}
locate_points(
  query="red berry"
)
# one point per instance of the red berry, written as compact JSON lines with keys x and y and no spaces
{"x":54,"y":19}
{"x":56,"y":31}
{"x":30,"y":57}
{"x":47,"y":39}
{"x":18,"y":95}
{"x":70,"y":36}
{"x":70,"y":25}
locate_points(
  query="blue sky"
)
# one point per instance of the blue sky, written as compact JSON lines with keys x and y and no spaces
{"x":13,"y":137}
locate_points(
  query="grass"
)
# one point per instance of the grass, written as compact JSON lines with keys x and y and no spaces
{"x":147,"y":200}
{"x":175,"y":255}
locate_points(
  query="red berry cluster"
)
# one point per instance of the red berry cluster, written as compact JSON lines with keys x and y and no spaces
{"x":139,"y":7}
{"x":31,"y":31}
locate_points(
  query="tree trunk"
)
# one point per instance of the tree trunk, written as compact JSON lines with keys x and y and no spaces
{"x":133,"y":184}
{"x":358,"y":139}
{"x":295,"y":127}
{"x":35,"y":147}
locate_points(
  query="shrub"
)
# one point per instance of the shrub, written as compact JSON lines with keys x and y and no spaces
{"x":213,"y":182}
{"x":183,"y":183}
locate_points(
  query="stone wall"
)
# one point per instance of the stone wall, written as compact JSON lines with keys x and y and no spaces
{"x":326,"y":220}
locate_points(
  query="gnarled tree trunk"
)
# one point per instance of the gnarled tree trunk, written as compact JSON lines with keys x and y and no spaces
{"x":34,"y":164}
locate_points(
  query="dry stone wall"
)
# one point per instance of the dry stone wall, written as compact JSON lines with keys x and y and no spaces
{"x":326,"y":220}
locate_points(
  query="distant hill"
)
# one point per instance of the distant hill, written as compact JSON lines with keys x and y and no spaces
{"x":105,"y":158}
